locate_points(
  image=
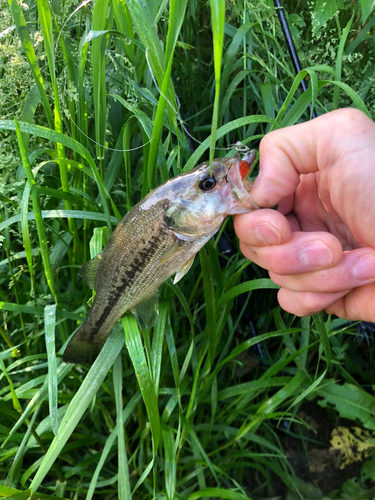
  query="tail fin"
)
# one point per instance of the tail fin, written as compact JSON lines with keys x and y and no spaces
{"x":80,"y":349}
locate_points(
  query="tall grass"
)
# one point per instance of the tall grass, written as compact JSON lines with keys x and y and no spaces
{"x":198,"y":406}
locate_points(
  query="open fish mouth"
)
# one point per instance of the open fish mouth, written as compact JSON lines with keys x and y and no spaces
{"x":238,"y":171}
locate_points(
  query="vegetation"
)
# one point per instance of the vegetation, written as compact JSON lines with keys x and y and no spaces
{"x":228,"y":396}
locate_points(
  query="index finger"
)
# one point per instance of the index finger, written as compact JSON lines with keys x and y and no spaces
{"x":309,"y":147}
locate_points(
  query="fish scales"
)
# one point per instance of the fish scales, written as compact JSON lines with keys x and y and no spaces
{"x":156,"y":239}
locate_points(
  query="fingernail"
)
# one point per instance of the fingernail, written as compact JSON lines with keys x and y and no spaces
{"x":364,"y":268}
{"x":315,"y":255}
{"x":267,"y":234}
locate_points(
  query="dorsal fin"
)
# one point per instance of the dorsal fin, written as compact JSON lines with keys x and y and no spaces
{"x":89,"y":271}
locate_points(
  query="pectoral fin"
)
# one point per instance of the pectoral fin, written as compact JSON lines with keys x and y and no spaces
{"x":184,"y":269}
{"x":167,"y":256}
{"x":89,"y":271}
{"x":146,"y":312}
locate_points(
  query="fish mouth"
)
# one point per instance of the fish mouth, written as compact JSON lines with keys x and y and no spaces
{"x":237,"y":173}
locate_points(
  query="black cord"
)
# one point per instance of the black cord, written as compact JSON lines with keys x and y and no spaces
{"x":290,"y":44}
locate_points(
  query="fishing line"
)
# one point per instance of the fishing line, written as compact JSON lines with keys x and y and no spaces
{"x":83,"y":4}
{"x":176,"y":111}
{"x":103,"y":145}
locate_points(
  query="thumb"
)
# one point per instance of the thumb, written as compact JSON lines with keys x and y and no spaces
{"x":309,"y":147}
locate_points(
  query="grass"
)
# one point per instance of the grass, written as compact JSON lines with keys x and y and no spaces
{"x":206,"y":404}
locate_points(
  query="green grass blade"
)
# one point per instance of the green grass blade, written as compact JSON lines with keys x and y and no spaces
{"x":172,"y":353}
{"x":58,"y":214}
{"x":338,"y":67}
{"x":231,"y":53}
{"x":157,"y":344}
{"x":146,"y":30}
{"x":39,"y":396}
{"x":239,"y":77}
{"x":209,"y":296}
{"x":57,"y":137}
{"x":248,"y":286}
{"x":144,"y":378}
{"x":357,"y":101}
{"x":123,"y":469}
{"x":363,"y":34}
{"x":49,"y":325}
{"x":27,"y":46}
{"x":197,"y":443}
{"x":124,"y":25}
{"x":170,"y":462}
{"x":218,"y":493}
{"x":12,"y":475}
{"x":217,"y":24}
{"x":181,"y":297}
{"x":225,"y":129}
{"x":323,"y":335}
{"x":126,"y":414}
{"x":80,"y":403}
{"x":26,"y":234}
{"x":309,"y":390}
{"x":157,"y":129}
{"x":176,"y":17}
{"x":99,"y":23}
{"x":16,"y":404}
{"x":45,"y":20}
{"x":37,"y":212}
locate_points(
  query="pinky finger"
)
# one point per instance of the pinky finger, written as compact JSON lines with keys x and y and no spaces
{"x":306,"y":303}
{"x":357,"y":305}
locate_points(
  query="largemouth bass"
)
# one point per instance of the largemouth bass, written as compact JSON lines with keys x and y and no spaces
{"x":159,"y":237}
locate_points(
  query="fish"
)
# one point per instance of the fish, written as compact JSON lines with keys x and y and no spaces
{"x":160,"y":236}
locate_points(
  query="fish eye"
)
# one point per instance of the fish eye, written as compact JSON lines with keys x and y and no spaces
{"x":207,"y":183}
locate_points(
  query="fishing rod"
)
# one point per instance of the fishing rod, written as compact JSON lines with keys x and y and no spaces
{"x":290,"y":44}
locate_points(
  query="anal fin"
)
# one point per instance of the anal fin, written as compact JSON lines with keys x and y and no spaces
{"x":147,"y":311}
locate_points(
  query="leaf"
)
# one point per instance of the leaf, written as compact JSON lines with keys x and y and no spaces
{"x":126,"y":414}
{"x":99,"y":22}
{"x":28,"y":48}
{"x":340,"y":52}
{"x":218,"y":493}
{"x":323,"y":11}
{"x":367,"y":7}
{"x":209,"y":297}
{"x":146,"y":385}
{"x":124,"y":479}
{"x":217,"y":25}
{"x":225,"y":129}
{"x":36,"y":207}
{"x":170,"y":462}
{"x":323,"y":335}
{"x":68,"y":142}
{"x":80,"y":403}
{"x":259,"y":284}
{"x":57,"y":214}
{"x":16,"y":404}
{"x":49,"y":324}
{"x":349,"y":401}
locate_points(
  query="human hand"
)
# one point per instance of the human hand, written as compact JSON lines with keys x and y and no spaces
{"x":319,"y":246}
